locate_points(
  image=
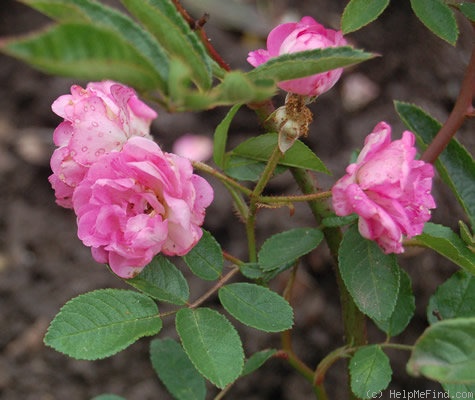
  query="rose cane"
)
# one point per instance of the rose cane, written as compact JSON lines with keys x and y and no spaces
{"x":138,"y":202}
{"x":97,"y":120}
{"x":388,"y":188}
{"x":294,"y":37}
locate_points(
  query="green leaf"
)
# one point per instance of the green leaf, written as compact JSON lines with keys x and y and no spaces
{"x":162,"y":281}
{"x":438,"y":17}
{"x":169,"y":28}
{"x":359,"y":13}
{"x":306,"y":63}
{"x":445,"y":352}
{"x":176,"y":371}
{"x":455,"y":298}
{"x":404,"y":309}
{"x":370,"y":371}
{"x":335,"y":221}
{"x":256,"y":361}
{"x":101,"y":323}
{"x":371,"y":277}
{"x":211,"y":343}
{"x":205,"y":260}
{"x":256,"y":306}
{"x":86,"y":52}
{"x":95,"y":13}
{"x":221,"y":136}
{"x":447,"y":243}
{"x":108,"y":396}
{"x":468,"y":9}
{"x":260,"y":148}
{"x":288,"y":246}
{"x":455,"y":165}
{"x":464,"y":390}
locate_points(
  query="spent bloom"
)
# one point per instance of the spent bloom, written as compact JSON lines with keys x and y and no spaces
{"x":138,"y":202}
{"x":388,"y":188}
{"x":97,"y":120}
{"x":293,"y":37}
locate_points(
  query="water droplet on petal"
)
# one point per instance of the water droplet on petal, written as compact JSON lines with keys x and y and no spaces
{"x":84,"y":149}
{"x":100,"y":152}
{"x":85,"y":109}
{"x":93,"y":108}
{"x":72,"y":153}
{"x":94,"y":124}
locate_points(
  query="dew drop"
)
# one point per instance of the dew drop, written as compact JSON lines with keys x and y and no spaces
{"x":93,"y":108}
{"x":84,"y":149}
{"x":94,"y":124}
{"x":100,"y":152}
{"x":85,"y":109}
{"x":72,"y":153}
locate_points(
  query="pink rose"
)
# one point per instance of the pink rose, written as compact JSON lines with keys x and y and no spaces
{"x":194,"y":147}
{"x":388,"y":188}
{"x":293,"y":37}
{"x":138,"y":202}
{"x":97,"y":120}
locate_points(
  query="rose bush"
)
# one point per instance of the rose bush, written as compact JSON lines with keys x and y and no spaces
{"x":294,"y":37}
{"x":388,"y":188}
{"x":97,"y":120}
{"x":138,"y":202}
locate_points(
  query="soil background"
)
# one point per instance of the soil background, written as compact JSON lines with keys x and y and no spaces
{"x":43,"y":264}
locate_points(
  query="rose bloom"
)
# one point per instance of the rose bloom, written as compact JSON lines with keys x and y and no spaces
{"x":97,"y":120}
{"x":138,"y":202}
{"x":294,"y":37}
{"x":388,"y":188}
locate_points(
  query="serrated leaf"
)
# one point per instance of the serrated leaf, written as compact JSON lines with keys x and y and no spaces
{"x":86,"y":52}
{"x":163,"y":281}
{"x":95,"y":13}
{"x":447,"y":243}
{"x":101,"y":323}
{"x":164,"y":22}
{"x":257,"y":306}
{"x":257,"y":360}
{"x":176,"y":371}
{"x":455,"y":165}
{"x":438,"y":17}
{"x":359,"y":13}
{"x":455,"y":298}
{"x":306,"y":63}
{"x":445,"y":352}
{"x":403,"y":310}
{"x":370,"y":371}
{"x":286,"y":247}
{"x":205,"y":260}
{"x":468,"y":9}
{"x":212,"y":344}
{"x":371,"y":277}
{"x":221,"y":136}
{"x":260,"y":148}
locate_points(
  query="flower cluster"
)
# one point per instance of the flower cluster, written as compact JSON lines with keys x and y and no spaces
{"x":132,"y":200}
{"x":388,"y":188}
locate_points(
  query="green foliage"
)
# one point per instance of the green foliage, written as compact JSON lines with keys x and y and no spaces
{"x":447,"y":243}
{"x":468,"y":9}
{"x":163,"y":281}
{"x":101,"y":323}
{"x":306,"y":63}
{"x":205,"y":260}
{"x":176,"y":371}
{"x":87,"y":52}
{"x":455,"y":165}
{"x":445,"y":352}
{"x":453,"y":299}
{"x":256,"y":361}
{"x":359,"y":13}
{"x":370,"y":371}
{"x":221,"y":136}
{"x":248,"y":159}
{"x":371,"y":277}
{"x":403,"y":310}
{"x":286,"y":247}
{"x":211,"y":343}
{"x":256,"y":306}
{"x":438,"y":17}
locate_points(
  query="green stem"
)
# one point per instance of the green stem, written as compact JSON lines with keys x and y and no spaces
{"x":295,"y":198}
{"x":223,"y":178}
{"x":254,"y":200}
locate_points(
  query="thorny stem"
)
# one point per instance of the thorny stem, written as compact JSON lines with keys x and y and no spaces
{"x":198,"y":26}
{"x":462,"y":108}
